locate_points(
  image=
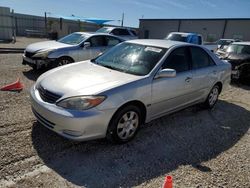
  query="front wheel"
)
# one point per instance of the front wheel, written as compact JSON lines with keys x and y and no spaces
{"x":212,"y":97}
{"x":63,"y":61}
{"x":125,"y":124}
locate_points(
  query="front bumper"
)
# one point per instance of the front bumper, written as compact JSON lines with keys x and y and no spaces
{"x":75,"y":125}
{"x":38,"y":63}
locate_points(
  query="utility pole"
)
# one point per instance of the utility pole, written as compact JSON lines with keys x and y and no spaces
{"x":13,"y":26}
{"x":122,"y":19}
{"x":45,"y":20}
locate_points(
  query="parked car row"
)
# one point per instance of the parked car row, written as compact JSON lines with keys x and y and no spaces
{"x":232,"y":50}
{"x":113,"y":94}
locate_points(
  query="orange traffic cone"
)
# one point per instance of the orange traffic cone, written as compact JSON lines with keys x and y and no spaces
{"x":16,"y":86}
{"x":168,"y":182}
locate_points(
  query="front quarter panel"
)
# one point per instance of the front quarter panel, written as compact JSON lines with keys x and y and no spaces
{"x":139,"y":90}
{"x":70,"y":52}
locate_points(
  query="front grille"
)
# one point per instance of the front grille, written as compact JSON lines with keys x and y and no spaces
{"x":48,"y":96}
{"x":29,"y":54}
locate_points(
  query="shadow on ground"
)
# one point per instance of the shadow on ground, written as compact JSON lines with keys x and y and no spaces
{"x":188,"y":137}
{"x":245,"y":84}
{"x":34,"y":74}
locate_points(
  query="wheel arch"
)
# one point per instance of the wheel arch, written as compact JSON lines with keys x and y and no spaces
{"x":136,"y":103}
{"x":66,"y":56}
{"x":219,"y":83}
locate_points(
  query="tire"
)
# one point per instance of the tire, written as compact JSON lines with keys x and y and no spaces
{"x":212,"y":97}
{"x":63,"y":61}
{"x":124,"y":125}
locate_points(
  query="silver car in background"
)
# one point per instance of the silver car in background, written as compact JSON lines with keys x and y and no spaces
{"x":75,"y":47}
{"x":131,"y":84}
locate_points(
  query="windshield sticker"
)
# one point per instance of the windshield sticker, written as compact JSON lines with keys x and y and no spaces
{"x":153,"y":49}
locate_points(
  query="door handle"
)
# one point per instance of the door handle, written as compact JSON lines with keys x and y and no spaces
{"x":188,"y":79}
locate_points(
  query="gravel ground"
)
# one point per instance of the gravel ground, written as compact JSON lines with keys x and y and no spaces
{"x":21,"y":42}
{"x":199,"y":148}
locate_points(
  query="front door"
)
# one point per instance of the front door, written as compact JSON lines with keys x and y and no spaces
{"x":169,"y":94}
{"x":97,"y":46}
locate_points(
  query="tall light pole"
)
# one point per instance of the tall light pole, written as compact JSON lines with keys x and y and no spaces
{"x":122,"y":19}
{"x":46,"y":22}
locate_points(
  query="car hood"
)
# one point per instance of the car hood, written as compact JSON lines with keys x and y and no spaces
{"x":46,"y":45}
{"x":237,"y":57}
{"x":83,"y":78}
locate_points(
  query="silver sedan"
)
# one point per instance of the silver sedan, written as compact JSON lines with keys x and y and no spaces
{"x":131,"y":84}
{"x":75,"y":47}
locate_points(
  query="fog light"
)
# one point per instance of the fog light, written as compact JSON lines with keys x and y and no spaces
{"x":72,"y":133}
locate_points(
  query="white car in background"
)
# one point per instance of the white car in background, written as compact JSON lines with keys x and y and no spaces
{"x":122,"y":32}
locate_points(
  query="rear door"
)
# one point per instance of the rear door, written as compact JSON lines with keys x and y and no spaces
{"x":169,"y":94}
{"x":204,"y":71}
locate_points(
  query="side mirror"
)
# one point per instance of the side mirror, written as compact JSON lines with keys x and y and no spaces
{"x":86,"y":45}
{"x":166,"y":73}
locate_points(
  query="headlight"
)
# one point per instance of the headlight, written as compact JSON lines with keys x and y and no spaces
{"x":81,"y":102}
{"x":43,"y":54}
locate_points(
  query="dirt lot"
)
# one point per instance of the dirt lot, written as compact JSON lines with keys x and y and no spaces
{"x":21,"y":42}
{"x":198,"y":148}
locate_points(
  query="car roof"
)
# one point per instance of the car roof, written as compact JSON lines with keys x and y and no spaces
{"x":94,"y":34}
{"x":111,"y":27}
{"x":185,"y":33}
{"x":158,"y":42}
{"x":228,"y":39}
{"x":241,"y":43}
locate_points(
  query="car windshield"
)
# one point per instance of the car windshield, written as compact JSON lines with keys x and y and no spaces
{"x":104,"y":30}
{"x":131,"y":58}
{"x":74,"y":38}
{"x":239,"y":49}
{"x":177,"y":37}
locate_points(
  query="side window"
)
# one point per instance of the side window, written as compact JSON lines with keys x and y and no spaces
{"x":111,"y":41}
{"x":97,"y":41}
{"x":133,"y":32}
{"x":178,"y":60}
{"x":115,"y":32}
{"x":199,"y":40}
{"x":120,"y":32}
{"x":200,"y":58}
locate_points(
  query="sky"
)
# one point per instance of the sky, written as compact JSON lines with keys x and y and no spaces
{"x":133,"y":9}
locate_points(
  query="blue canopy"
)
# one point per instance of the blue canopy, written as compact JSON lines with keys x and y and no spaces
{"x":92,"y":20}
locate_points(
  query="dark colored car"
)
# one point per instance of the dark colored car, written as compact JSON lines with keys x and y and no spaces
{"x":238,"y":54}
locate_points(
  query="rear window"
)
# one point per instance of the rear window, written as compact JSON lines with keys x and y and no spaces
{"x":177,"y":37}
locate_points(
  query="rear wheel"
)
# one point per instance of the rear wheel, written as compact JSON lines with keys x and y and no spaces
{"x":212,"y":97}
{"x":125,"y":124}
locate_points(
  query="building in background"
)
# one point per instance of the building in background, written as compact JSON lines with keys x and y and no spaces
{"x":6,"y":24}
{"x":211,"y":29}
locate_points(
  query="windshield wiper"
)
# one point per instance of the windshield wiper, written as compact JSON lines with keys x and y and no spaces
{"x":108,"y":66}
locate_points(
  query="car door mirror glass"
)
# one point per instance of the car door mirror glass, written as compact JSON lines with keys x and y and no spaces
{"x":166,"y":73}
